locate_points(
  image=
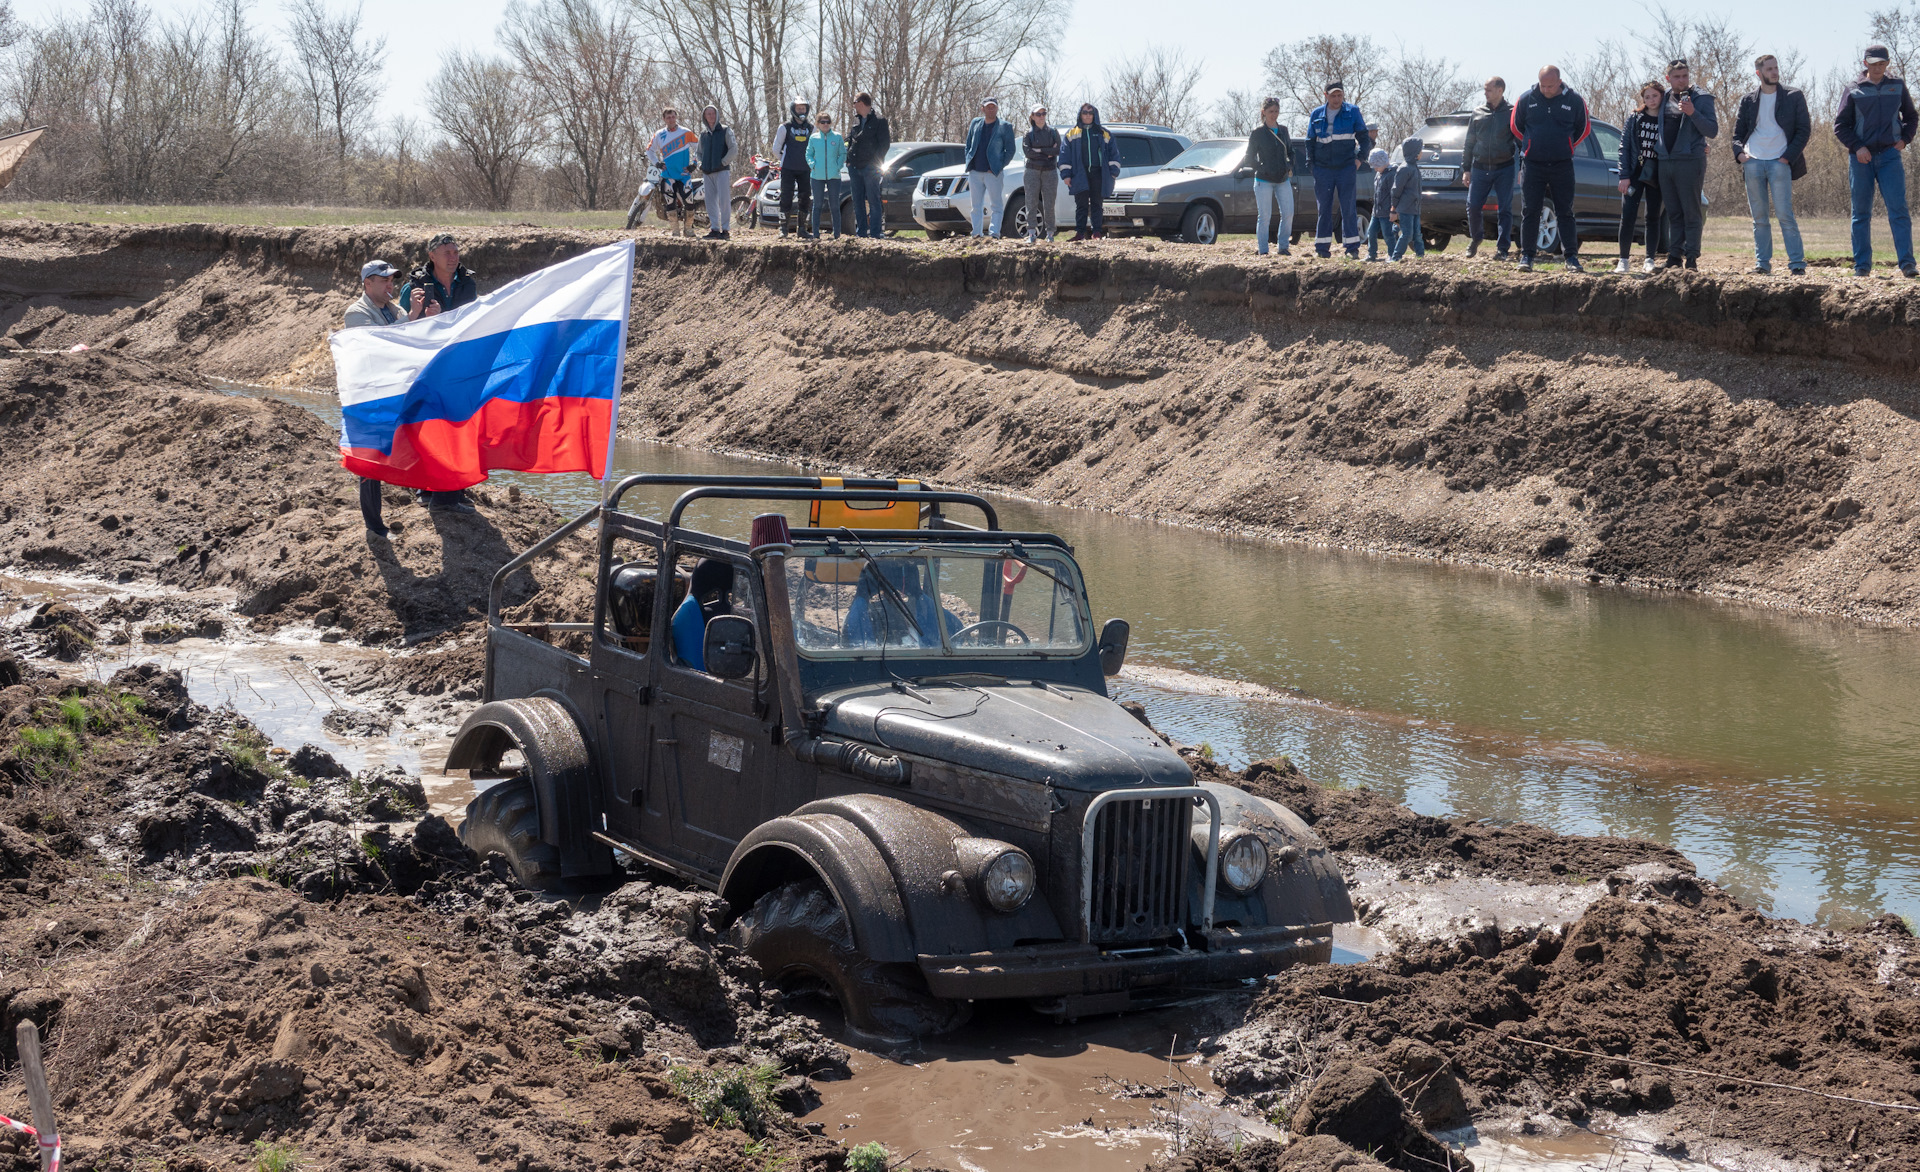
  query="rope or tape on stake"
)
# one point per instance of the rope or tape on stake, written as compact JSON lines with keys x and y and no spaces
{"x":49,"y":1145}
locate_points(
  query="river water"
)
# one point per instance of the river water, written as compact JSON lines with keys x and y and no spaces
{"x":1779,"y":751}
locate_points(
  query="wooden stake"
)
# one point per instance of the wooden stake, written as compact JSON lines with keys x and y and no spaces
{"x":38,"y":1096}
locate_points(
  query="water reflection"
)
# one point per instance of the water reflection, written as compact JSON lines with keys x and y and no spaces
{"x":1781,"y":752}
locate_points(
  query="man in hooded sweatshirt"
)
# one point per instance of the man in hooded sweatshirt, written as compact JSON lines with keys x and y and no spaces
{"x":1380,"y":219}
{"x":715,"y":157}
{"x":1090,"y":165}
{"x":1405,"y":213}
{"x":796,"y":178}
{"x":1041,"y":145}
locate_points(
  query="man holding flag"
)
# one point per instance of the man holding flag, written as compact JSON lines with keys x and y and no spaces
{"x":524,"y":379}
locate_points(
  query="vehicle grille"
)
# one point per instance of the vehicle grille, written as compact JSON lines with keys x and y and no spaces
{"x":940,"y":185}
{"x":953,"y":214}
{"x":1139,"y":865}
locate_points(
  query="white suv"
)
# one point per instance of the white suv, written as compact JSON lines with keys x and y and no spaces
{"x":942,"y":206}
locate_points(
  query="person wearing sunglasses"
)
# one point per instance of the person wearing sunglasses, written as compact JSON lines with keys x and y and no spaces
{"x":826,"y":154}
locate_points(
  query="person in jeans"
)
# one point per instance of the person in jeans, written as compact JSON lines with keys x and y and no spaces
{"x":826,"y":154}
{"x":1550,"y":121}
{"x":1270,"y":160}
{"x":1875,"y":123}
{"x":1487,"y":158}
{"x":714,"y":154}
{"x":1337,"y":145}
{"x":1687,"y":121}
{"x":1090,"y":165}
{"x":1380,"y":219}
{"x":989,"y":150}
{"x":1041,"y":146}
{"x":796,"y":181}
{"x":1639,"y":168}
{"x":867,"y":142}
{"x":375,"y":307}
{"x":1770,"y":135}
{"x":1405,"y":211}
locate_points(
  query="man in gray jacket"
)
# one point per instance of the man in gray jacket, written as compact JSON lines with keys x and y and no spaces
{"x":1487,"y":158}
{"x":375,"y":307}
{"x":1687,"y":121}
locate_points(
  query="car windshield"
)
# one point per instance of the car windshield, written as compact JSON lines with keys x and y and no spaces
{"x":894,"y":152}
{"x":1445,"y":136}
{"x":1207,"y":156}
{"x":852,"y":599}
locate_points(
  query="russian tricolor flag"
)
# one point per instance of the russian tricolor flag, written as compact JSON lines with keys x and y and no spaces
{"x":526,"y":379}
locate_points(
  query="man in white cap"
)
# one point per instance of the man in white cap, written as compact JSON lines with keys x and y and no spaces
{"x":1041,"y":143}
{"x":375,"y":305}
{"x":989,"y":150}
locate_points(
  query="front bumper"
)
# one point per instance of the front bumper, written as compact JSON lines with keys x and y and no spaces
{"x":1125,"y":215}
{"x":1080,"y":970}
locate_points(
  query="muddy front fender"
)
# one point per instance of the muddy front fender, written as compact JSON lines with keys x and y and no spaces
{"x":893,"y":868}
{"x":1303,"y":885}
{"x":565,"y":784}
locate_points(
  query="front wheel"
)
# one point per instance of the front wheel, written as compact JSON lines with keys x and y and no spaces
{"x":743,"y":210}
{"x":506,"y":818}
{"x":1548,"y":241}
{"x":938,"y":233}
{"x":1201,"y":225}
{"x":1436,"y":241}
{"x":1015,"y":223}
{"x":799,"y":937}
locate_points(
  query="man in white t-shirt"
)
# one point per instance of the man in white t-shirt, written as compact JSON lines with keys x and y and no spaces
{"x":1769,"y":140}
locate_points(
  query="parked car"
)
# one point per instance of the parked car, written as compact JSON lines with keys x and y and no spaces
{"x":1201,"y":194}
{"x":1443,"y":194}
{"x":942,"y":206}
{"x":901,"y":170}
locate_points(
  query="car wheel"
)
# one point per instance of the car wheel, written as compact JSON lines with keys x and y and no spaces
{"x":1436,"y":241}
{"x":506,"y":818}
{"x":1549,"y":239}
{"x":800,"y":939}
{"x":938,"y":233}
{"x":1201,"y":225}
{"x":1014,"y":223}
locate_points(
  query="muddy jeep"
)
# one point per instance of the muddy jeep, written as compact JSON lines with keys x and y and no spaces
{"x":885,"y":738}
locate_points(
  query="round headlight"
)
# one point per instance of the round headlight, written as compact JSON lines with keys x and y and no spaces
{"x":1243,"y":862}
{"x":1008,"y":881}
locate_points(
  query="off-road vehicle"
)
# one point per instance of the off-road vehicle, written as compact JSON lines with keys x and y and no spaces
{"x":885,"y":738}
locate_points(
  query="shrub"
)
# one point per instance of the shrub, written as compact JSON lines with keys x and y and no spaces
{"x":280,"y":1156}
{"x":868,"y":1157}
{"x":741,"y":1097}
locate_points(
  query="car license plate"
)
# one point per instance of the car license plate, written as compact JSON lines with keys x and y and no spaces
{"x":936,"y":203}
{"x":1437,"y":173}
{"x":1118,"y":210}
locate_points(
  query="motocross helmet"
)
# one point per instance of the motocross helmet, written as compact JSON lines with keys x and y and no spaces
{"x":798,"y":108}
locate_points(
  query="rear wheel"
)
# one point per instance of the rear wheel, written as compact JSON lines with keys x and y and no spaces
{"x":506,"y":818}
{"x":1201,"y":225}
{"x":743,"y":210}
{"x":1436,"y":241}
{"x":1548,"y":242}
{"x":800,"y":939}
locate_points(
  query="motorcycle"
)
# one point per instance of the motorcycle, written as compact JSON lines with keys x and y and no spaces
{"x":746,"y":191}
{"x":643,"y":201}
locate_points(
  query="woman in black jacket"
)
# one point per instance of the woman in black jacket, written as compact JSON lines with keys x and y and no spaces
{"x":1270,"y":158}
{"x":1640,"y":177}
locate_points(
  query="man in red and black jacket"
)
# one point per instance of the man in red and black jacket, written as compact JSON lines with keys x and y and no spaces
{"x":1550,"y":120}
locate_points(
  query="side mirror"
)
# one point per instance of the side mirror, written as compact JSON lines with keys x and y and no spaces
{"x":1113,"y":645}
{"x":729,"y":648}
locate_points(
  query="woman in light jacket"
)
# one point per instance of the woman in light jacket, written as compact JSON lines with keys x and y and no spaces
{"x":826,"y":155}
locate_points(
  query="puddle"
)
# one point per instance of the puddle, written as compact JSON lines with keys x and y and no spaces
{"x":1408,"y":903}
{"x":1576,"y":1151}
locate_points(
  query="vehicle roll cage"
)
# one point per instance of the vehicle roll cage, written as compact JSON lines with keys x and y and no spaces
{"x":772,"y":488}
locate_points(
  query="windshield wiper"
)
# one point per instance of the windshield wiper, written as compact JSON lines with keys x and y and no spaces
{"x":893,"y":592}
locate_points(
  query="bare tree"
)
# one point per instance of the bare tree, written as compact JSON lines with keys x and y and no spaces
{"x":1899,"y":30}
{"x":1300,"y":71}
{"x":483,"y":106}
{"x":243,"y":97}
{"x":1233,"y":116}
{"x":588,"y":70}
{"x":1155,"y":87}
{"x":1417,"y":88}
{"x":338,"y":71}
{"x":1609,"y":78}
{"x":731,"y":53}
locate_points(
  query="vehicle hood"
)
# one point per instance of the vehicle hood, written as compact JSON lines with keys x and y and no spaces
{"x":1052,"y":733}
{"x":1172,"y":180}
{"x":959,"y":169}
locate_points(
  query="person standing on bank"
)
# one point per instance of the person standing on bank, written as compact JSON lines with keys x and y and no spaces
{"x":1487,"y":159}
{"x":1687,"y":121}
{"x":440,"y":283}
{"x":1550,"y":121}
{"x":714,"y":154}
{"x":1090,"y":165}
{"x":826,"y":154}
{"x":868,"y":140}
{"x":1041,"y":146}
{"x":1877,"y":121}
{"x":989,"y":150}
{"x":1337,"y":145}
{"x":1770,"y":135}
{"x":1639,"y":167}
{"x":796,"y":181}
{"x":1405,"y":212}
{"x":1270,"y":158}
{"x":374,"y":307}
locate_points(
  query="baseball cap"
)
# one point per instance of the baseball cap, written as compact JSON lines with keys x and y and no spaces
{"x":437,"y":241}
{"x":1877,"y":54}
{"x":1332,"y":86}
{"x":989,"y":102}
{"x":377,"y":268}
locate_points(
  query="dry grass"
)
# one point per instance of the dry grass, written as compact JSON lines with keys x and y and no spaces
{"x":122,"y":994}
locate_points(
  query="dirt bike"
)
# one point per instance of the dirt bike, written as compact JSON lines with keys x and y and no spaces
{"x":746,"y":191}
{"x":643,"y":199}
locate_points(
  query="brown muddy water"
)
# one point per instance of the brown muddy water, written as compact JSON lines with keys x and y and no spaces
{"x":1779,"y":751}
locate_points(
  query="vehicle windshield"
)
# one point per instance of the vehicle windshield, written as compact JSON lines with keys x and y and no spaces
{"x":1207,"y":156}
{"x":853,"y":599}
{"x":1443,"y":135}
{"x":893,"y":154}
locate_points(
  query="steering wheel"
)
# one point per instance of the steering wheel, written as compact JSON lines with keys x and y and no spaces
{"x":980,"y":626}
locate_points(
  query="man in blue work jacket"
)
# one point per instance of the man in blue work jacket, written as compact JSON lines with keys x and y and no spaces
{"x":1337,"y":146}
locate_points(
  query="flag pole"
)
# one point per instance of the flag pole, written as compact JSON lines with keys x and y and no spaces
{"x":619,"y":365}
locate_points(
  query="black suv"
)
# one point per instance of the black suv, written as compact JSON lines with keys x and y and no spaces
{"x":1443,"y":195}
{"x":885,"y":737}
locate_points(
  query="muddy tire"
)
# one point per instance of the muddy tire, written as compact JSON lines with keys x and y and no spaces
{"x":506,"y":818}
{"x":797,"y":934}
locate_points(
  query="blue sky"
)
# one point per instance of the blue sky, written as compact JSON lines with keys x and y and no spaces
{"x":1230,"y":39}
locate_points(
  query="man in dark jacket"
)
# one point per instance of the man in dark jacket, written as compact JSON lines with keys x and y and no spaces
{"x":1876,"y":122}
{"x":1090,"y":164}
{"x":1337,"y":146}
{"x":1270,"y":160}
{"x":1687,"y":121}
{"x":713,"y":154}
{"x":867,"y":142}
{"x":1041,"y":146}
{"x":1549,"y":120}
{"x":796,"y":178}
{"x":1769,"y":142}
{"x":1487,"y":159}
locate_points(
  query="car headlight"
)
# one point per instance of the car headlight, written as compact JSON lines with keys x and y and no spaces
{"x":1147,"y":195}
{"x":959,"y":186}
{"x":1243,"y":862}
{"x":1001,"y":874}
